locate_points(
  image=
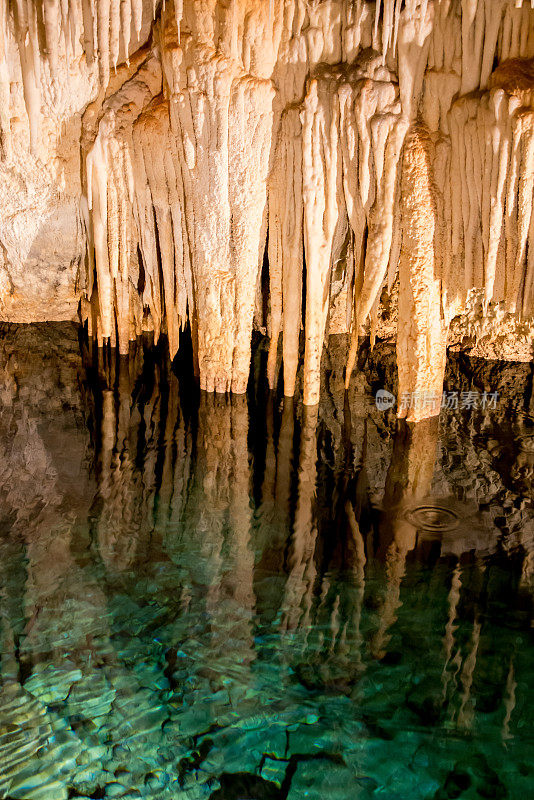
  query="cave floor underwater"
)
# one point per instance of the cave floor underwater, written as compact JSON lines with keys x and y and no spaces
{"x":204,"y":597}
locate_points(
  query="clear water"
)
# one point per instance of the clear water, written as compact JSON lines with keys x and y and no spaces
{"x":210,"y":599}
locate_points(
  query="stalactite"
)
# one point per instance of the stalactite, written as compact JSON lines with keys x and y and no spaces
{"x":421,"y":334}
{"x":125,"y":25}
{"x":285,"y":211}
{"x":88,"y":32}
{"x":292,"y":117}
{"x":219,"y":109}
{"x":250,"y":121}
{"x":51,"y":25}
{"x":286,"y":249}
{"x":103,"y":9}
{"x":31,"y":83}
{"x":114,"y":31}
{"x":155,"y":128}
{"x":373,"y":116}
{"x":137,"y":16}
{"x":321,"y":192}
{"x":5,"y":88}
{"x":491,"y":191}
{"x":118,"y":187}
{"x":33,"y":34}
{"x":65,"y":24}
{"x":526,"y":210}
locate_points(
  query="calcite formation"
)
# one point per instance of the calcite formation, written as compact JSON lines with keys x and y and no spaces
{"x":262,"y":163}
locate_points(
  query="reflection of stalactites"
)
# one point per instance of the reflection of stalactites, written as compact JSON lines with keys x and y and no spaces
{"x":273,"y":516}
{"x":239,"y":548}
{"x":105,"y":532}
{"x":302,"y":572}
{"x":466,"y":711}
{"x":220,"y":502}
{"x":116,"y":551}
{"x":265,"y":530}
{"x":180,"y":457}
{"x":126,"y":483}
{"x":284,"y":463}
{"x":9,"y":622}
{"x":412,"y":464}
{"x":395,"y":569}
{"x":359,"y":560}
{"x":450,"y":628}
{"x":269,"y":476}
{"x":509,"y":702}
{"x":210,"y":495}
{"x":409,"y":478}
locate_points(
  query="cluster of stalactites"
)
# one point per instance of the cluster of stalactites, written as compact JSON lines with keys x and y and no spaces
{"x":198,"y":168}
{"x":490,"y":220}
{"x":116,"y":215}
{"x":50,"y":33}
{"x":203,"y":128}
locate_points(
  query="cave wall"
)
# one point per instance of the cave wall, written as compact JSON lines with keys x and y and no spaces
{"x":48,"y":76}
{"x":272,"y":163}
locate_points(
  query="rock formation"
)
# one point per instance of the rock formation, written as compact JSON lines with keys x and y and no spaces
{"x":272,"y":163}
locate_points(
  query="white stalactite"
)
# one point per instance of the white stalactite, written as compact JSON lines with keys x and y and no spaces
{"x":114,"y":31}
{"x":321,"y":191}
{"x":125,"y":25}
{"x":103,"y":8}
{"x":88,"y":31}
{"x":5,"y":86}
{"x":137,"y":16}
{"x":290,"y":116}
{"x":421,"y":334}
{"x":51,"y":24}
{"x":121,"y":219}
{"x":286,"y":249}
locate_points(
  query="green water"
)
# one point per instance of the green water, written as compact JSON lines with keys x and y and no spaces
{"x":203,"y":598}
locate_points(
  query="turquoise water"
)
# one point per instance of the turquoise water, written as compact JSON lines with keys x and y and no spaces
{"x":202,"y":598}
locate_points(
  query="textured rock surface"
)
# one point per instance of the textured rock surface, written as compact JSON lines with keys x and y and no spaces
{"x":48,"y":75}
{"x":246,"y":164}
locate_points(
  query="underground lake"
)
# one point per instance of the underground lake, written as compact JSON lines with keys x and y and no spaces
{"x":210,"y":597}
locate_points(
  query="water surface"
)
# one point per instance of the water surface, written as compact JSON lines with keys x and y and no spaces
{"x":243,"y":598}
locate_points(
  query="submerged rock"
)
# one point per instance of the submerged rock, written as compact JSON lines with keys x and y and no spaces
{"x":51,"y":684}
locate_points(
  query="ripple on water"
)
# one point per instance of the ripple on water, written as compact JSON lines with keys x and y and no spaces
{"x":432,"y":517}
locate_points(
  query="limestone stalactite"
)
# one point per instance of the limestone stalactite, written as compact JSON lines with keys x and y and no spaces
{"x":273,"y":132}
{"x":421,"y":331}
{"x":321,"y":193}
{"x":5,"y":121}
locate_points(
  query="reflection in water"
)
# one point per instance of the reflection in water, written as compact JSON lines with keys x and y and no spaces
{"x":207,"y":597}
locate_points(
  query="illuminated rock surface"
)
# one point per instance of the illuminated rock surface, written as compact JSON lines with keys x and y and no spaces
{"x":224,"y":166}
